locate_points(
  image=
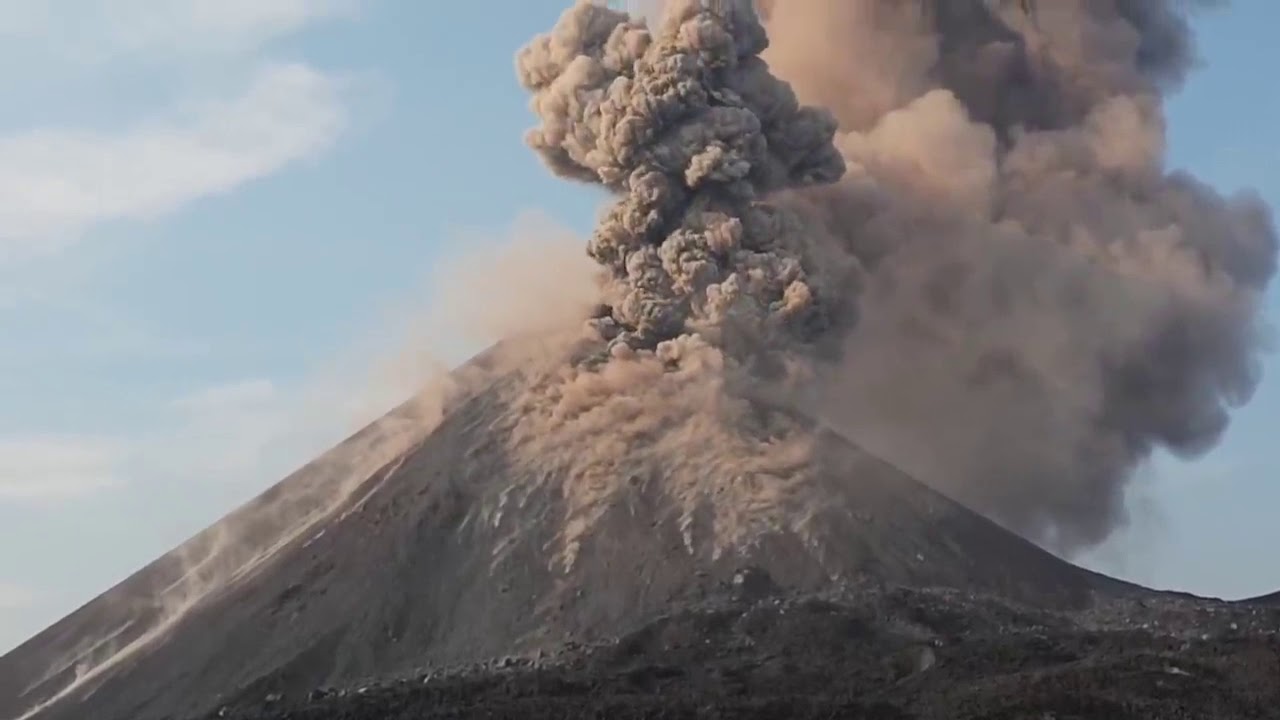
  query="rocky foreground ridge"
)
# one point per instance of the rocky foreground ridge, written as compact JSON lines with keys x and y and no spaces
{"x":860,"y":652}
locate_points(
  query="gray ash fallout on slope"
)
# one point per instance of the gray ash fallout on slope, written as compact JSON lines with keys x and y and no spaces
{"x":967,"y":255}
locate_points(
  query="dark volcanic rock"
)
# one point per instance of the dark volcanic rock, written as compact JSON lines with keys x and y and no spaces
{"x":419,"y":567}
{"x":861,"y":653}
{"x":1269,"y":599}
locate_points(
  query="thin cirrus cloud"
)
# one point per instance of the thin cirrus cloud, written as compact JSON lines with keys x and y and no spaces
{"x":63,"y":175}
{"x":39,"y":468}
{"x":60,"y":177}
{"x":97,"y":31}
{"x":204,"y":25}
{"x":244,"y":434}
{"x":133,"y":110}
{"x":55,"y":183}
{"x":16,"y":597}
{"x":232,"y":395}
{"x":243,"y":431}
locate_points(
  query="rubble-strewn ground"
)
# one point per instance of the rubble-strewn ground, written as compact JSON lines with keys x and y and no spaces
{"x":859,"y":653}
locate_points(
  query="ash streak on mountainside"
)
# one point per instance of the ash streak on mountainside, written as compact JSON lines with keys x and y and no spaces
{"x":231,"y":551}
{"x":1026,"y":302}
{"x":299,"y":509}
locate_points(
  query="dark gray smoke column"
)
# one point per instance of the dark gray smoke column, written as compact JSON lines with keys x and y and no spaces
{"x":1044,"y":302}
{"x":690,"y":129}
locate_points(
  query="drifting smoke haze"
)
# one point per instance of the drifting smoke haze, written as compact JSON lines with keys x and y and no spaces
{"x":965,"y":239}
{"x":1045,"y":303}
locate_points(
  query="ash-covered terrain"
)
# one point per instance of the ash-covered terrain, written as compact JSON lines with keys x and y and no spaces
{"x":892,"y":295}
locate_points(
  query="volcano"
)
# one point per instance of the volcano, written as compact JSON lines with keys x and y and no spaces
{"x":976,"y":263}
{"x":417,"y":565}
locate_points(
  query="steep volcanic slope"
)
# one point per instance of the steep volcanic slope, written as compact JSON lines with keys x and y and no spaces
{"x":129,"y":618}
{"x":420,"y":566}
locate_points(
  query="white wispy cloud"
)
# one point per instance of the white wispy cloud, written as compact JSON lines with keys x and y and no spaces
{"x":56,"y":182}
{"x":125,"y":111}
{"x":16,"y":597}
{"x":204,"y":25}
{"x":245,"y":432}
{"x":222,"y":109}
{"x":253,"y":431}
{"x":239,"y":114}
{"x":230,"y":396}
{"x":228,"y":432}
{"x":43,"y":468}
{"x":98,"y":31}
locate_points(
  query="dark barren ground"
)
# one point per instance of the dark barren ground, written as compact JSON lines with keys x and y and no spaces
{"x":863,"y":652}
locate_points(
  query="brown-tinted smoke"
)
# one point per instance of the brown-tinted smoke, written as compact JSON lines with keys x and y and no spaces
{"x":1040,"y":302}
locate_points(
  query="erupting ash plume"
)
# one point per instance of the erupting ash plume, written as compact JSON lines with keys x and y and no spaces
{"x":1045,"y":302}
{"x":1026,"y":301}
{"x":691,"y":130}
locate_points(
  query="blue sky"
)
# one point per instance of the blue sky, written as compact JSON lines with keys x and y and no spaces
{"x":219,"y":227}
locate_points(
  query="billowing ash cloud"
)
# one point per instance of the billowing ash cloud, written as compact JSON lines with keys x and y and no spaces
{"x":1044,"y":302}
{"x":1041,"y":303}
{"x":690,"y":129}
